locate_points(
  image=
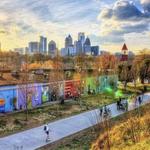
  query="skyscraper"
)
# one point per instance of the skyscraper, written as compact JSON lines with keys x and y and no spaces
{"x":78,"y":47}
{"x":81,"y":37}
{"x":43,"y":45}
{"x":52,"y":48}
{"x":87,"y":46}
{"x":33,"y":47}
{"x":68,"y":41}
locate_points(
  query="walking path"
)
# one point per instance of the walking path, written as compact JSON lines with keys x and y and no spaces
{"x":35,"y":138}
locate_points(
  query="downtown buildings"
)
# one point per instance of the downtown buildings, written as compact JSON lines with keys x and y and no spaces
{"x":42,"y":47}
{"x":81,"y":46}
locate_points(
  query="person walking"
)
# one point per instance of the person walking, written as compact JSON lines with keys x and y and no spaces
{"x":47,"y":130}
{"x":101,"y":111}
{"x":139,"y":100}
{"x":126,"y":105}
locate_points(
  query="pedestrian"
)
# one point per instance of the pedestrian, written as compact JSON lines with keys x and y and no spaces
{"x":118,"y":105}
{"x":139,"y":100}
{"x":47,"y":130}
{"x":105,"y":109}
{"x":126,"y":104}
{"x":101,"y":111}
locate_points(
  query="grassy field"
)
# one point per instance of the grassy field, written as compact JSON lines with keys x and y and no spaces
{"x":12,"y":123}
{"x":118,"y":128}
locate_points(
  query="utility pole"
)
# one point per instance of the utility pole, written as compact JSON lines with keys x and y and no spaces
{"x":26,"y":85}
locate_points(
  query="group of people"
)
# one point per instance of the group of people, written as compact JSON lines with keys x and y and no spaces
{"x":104,"y":111}
{"x":122,"y":104}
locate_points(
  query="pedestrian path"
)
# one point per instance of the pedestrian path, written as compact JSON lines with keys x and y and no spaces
{"x":35,"y":138}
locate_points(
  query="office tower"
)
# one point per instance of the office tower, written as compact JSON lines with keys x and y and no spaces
{"x":87,"y":46}
{"x":64,"y":52}
{"x":81,"y":37}
{"x":94,"y":50}
{"x":78,"y":47}
{"x":68,"y":41}
{"x":52,"y":48}
{"x":43,"y":45}
{"x":33,"y":47}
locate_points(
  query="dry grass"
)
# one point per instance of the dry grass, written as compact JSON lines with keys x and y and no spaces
{"x":130,"y":133}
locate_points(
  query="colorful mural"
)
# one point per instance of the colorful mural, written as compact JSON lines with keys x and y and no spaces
{"x":45,"y":93}
{"x":29,"y":96}
{"x":90,"y":86}
{"x":71,"y":89}
{"x":7,"y":99}
{"x":32,"y":95}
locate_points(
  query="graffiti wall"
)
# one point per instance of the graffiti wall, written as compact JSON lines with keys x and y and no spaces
{"x":45,"y":93}
{"x":29,"y":96}
{"x":90,"y":86}
{"x":7,"y":99}
{"x":33,"y":95}
{"x":71,"y":89}
{"x":107,"y":82}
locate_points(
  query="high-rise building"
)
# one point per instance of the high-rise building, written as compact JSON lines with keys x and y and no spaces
{"x":87,"y":46}
{"x":43,"y":45}
{"x":94,"y":50}
{"x":52,"y":48}
{"x":33,"y":47}
{"x":78,"y":47}
{"x":68,"y":41}
{"x":81,"y":37}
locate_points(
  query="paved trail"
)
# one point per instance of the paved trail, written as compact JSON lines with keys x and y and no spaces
{"x":35,"y":138}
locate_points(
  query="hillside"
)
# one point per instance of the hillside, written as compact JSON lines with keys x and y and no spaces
{"x":132,"y":133}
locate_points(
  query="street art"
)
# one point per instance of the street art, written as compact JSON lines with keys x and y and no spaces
{"x":7,"y":99}
{"x":90,"y":87}
{"x":29,"y":96}
{"x":71,"y":89}
{"x":45,"y":93}
{"x":21,"y":97}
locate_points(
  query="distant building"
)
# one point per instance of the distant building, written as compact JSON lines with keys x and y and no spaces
{"x":118,"y":55}
{"x":104,"y":52}
{"x":68,"y":41}
{"x":21,"y":51}
{"x":81,"y":38}
{"x":43,"y":45}
{"x":131,"y":55}
{"x":78,"y":47}
{"x":87,"y":46}
{"x":64,"y":52}
{"x":124,"y":56}
{"x":33,"y":47}
{"x":95,"y":50}
{"x":52,"y":48}
{"x":71,"y":51}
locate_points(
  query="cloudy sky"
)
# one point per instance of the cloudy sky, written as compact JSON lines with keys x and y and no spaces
{"x":109,"y":23}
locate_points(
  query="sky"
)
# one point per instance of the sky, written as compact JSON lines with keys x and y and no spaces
{"x":109,"y":23}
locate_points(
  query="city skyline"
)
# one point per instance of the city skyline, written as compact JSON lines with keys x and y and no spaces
{"x":108,"y":23}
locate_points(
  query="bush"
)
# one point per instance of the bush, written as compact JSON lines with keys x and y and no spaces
{"x":3,"y":123}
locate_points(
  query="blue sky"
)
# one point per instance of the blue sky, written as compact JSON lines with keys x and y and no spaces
{"x":109,"y":23}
